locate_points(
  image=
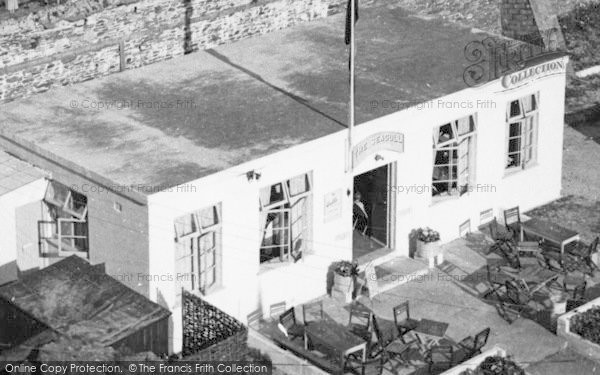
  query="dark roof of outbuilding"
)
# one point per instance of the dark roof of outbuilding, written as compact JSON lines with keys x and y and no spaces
{"x":182,"y":119}
{"x":74,"y":298}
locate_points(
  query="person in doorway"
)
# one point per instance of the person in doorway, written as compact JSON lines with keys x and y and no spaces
{"x":360,"y":217}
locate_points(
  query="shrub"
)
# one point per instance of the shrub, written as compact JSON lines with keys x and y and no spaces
{"x":346,"y":268}
{"x":496,"y":365}
{"x":587,"y":324}
{"x":428,"y":235}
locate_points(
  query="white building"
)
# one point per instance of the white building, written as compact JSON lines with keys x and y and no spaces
{"x":234,"y":160}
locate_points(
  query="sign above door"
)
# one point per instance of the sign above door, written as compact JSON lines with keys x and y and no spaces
{"x":391,"y":141}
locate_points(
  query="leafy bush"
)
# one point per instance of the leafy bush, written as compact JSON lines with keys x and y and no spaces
{"x":587,"y":324}
{"x":346,"y":268}
{"x":496,"y":365}
{"x":428,"y":235}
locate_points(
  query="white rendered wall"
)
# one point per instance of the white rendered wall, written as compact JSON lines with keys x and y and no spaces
{"x":246,"y":288}
{"x":29,"y":193}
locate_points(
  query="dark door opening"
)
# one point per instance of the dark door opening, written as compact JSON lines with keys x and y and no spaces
{"x":370,"y":211}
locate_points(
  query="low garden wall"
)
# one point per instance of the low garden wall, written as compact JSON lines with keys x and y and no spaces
{"x":471,"y":364}
{"x":285,"y":361}
{"x":576,"y":342}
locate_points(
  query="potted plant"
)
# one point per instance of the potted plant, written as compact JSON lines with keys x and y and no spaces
{"x":496,"y":365}
{"x":587,"y":324}
{"x":428,"y":242}
{"x":344,"y":280}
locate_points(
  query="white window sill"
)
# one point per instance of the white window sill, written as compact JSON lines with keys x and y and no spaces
{"x":438,"y":199}
{"x":516,"y":171}
{"x":275,"y":265}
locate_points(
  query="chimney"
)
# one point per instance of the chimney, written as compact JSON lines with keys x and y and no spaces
{"x":532,"y":21}
{"x":518,"y":21}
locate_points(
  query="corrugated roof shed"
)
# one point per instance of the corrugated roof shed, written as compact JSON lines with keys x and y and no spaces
{"x":74,"y":298}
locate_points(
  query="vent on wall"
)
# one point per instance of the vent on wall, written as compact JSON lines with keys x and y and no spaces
{"x":464,"y":228}
{"x":486,"y":216}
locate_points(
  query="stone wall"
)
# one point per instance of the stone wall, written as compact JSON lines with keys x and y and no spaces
{"x":518,"y":21}
{"x":35,"y":56}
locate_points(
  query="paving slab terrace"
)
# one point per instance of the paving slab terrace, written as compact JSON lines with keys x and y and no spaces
{"x":441,"y":296}
{"x":451,"y":293}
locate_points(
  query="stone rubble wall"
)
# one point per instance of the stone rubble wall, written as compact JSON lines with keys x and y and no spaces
{"x":35,"y":57}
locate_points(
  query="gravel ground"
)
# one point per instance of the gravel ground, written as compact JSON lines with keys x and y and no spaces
{"x":579,"y":208}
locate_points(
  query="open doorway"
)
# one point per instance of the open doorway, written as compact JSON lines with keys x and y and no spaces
{"x":371,"y":217}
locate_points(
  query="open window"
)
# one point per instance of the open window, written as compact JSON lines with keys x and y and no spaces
{"x":453,"y":157}
{"x":198,"y":250}
{"x":522,"y":125}
{"x":65,"y":230}
{"x":285,"y":219}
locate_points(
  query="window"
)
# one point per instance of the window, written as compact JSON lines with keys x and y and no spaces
{"x":522,"y":124}
{"x":285,"y":215}
{"x":66,"y":230}
{"x":198,"y":250}
{"x":453,"y":157}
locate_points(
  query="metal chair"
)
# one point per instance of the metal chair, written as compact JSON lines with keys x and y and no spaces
{"x":389,"y":343}
{"x":288,"y":321}
{"x":403,"y":321}
{"x":359,"y":322}
{"x":473,"y":345}
{"x":369,"y":367}
{"x":276,"y":309}
{"x":528,"y":248}
{"x":312,"y":312}
{"x":513,"y":302}
{"x":584,"y":255}
{"x":494,"y":286}
{"x":512,"y":221}
{"x":254,"y":319}
{"x":440,"y":358}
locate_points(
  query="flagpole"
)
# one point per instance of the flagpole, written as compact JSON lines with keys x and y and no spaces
{"x":351,"y":99}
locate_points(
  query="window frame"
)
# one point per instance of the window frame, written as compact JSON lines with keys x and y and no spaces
{"x":64,"y":206}
{"x":192,"y":242}
{"x":524,"y":120}
{"x":288,"y":205}
{"x":451,"y":145}
{"x":58,"y":211}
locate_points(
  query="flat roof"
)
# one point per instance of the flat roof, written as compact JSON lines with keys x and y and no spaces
{"x":74,"y":297}
{"x":15,"y":173}
{"x":185,"y":118}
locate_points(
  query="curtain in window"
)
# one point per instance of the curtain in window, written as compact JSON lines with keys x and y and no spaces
{"x":298,"y":221}
{"x":463,"y":165}
{"x":264,"y":196}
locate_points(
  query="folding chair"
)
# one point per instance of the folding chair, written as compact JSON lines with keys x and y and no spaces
{"x":439,"y":358}
{"x":359,"y":322}
{"x":403,"y":321}
{"x":390,"y":344}
{"x":312,"y":312}
{"x":512,"y":221}
{"x":254,"y":319}
{"x":276,"y":309}
{"x":369,"y":367}
{"x":473,"y":345}
{"x":289,"y":323}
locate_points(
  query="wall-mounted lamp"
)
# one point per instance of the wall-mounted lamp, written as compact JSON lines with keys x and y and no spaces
{"x":252,"y":175}
{"x":378,"y":157}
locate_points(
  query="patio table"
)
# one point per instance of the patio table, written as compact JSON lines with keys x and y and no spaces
{"x":429,"y":333}
{"x":334,"y":338}
{"x":550,"y":232}
{"x":533,"y":275}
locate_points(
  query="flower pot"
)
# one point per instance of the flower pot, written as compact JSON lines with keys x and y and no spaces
{"x":428,"y":250}
{"x":343,"y":288}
